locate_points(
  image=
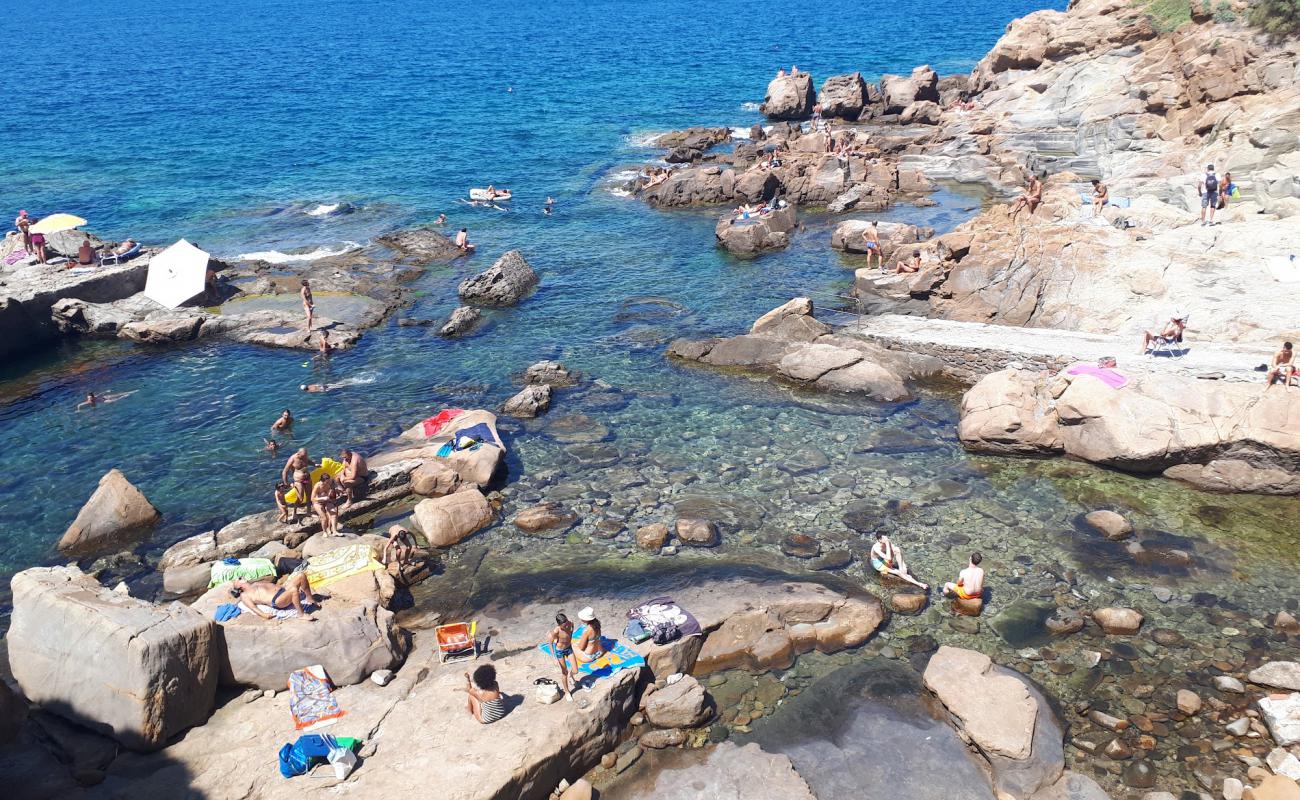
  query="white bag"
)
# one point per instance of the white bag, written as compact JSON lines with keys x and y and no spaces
{"x":547,"y":693}
{"x":343,"y":760}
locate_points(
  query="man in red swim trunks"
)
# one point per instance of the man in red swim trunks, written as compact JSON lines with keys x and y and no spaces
{"x":970,"y":582}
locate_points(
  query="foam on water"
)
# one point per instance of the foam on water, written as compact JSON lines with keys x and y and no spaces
{"x":749,"y":106}
{"x":324,"y":209}
{"x":277,"y":257}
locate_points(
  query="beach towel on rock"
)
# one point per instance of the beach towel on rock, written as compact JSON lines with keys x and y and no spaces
{"x":439,"y":421}
{"x":249,"y":569}
{"x":310,"y":700}
{"x":1106,"y":375}
{"x":326,"y":568}
{"x":663,"y":610}
{"x":617,"y":656}
{"x":479,"y":433}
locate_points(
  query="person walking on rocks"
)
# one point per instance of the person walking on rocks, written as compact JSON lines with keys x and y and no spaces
{"x":970,"y":582}
{"x":1283,"y":366}
{"x":1209,"y":191}
{"x":308,"y":302}
{"x":872,"y":237}
{"x":561,"y":641}
{"x":887,"y":559}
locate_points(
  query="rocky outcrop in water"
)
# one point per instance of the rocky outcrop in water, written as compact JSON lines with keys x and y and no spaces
{"x":448,"y":520}
{"x":843,"y":96}
{"x":115,"y":513}
{"x":894,"y":237}
{"x":759,"y":233}
{"x":421,"y":245}
{"x":791,"y":343}
{"x":461,"y":321}
{"x":505,"y":283}
{"x":532,"y":401}
{"x":135,"y":671}
{"x":789,"y":97}
{"x":1222,"y":436}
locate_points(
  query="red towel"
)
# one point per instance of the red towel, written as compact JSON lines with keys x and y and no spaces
{"x":439,"y":421}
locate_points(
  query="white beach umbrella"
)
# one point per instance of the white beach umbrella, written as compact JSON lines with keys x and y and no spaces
{"x":177,"y":274}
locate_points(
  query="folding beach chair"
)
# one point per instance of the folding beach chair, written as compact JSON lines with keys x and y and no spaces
{"x":456,"y":642}
{"x":117,"y":258}
{"x":1170,"y":345}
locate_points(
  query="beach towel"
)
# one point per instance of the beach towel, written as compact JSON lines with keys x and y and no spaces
{"x":617,"y":656}
{"x":663,"y":610}
{"x":326,"y":568}
{"x":249,"y":569}
{"x":310,"y":700}
{"x":439,"y":421}
{"x":18,"y":254}
{"x":480,"y":433}
{"x":1106,"y":375}
{"x":279,"y":613}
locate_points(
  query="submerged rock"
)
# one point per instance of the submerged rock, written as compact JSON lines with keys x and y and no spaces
{"x":545,"y":517}
{"x":550,"y":373}
{"x":531,"y":402}
{"x":697,"y":532}
{"x":1118,"y":621}
{"x":1278,"y":674}
{"x":503,"y":284}
{"x":421,"y":244}
{"x":1109,"y":524}
{"x":116,"y":512}
{"x":461,"y":321}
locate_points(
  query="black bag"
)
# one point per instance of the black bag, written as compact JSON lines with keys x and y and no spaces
{"x":665,"y":632}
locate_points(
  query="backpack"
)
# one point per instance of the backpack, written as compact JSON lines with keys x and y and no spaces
{"x":1211,"y":185}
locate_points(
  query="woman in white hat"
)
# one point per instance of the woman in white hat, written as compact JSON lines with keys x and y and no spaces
{"x":589,"y":646}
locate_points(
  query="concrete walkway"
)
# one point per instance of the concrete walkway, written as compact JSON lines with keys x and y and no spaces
{"x":974,"y":349}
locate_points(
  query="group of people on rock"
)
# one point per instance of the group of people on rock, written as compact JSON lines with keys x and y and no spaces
{"x":570,"y":652}
{"x":328,"y":495}
{"x":35,"y":244}
{"x":871,"y":238}
{"x":887,"y":561}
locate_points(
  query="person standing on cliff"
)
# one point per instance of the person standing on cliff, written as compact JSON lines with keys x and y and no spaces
{"x":1209,"y":191}
{"x":308,"y":302}
{"x":24,"y":223}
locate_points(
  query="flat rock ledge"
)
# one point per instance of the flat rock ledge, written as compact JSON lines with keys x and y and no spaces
{"x":1216,"y":435}
{"x":790,"y":343}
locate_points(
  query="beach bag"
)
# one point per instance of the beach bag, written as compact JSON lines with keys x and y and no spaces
{"x":636,"y":631}
{"x":292,"y":761}
{"x":665,"y":632}
{"x":342,"y":759}
{"x":547,"y":691}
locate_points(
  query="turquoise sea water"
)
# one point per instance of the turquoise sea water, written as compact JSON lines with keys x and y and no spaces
{"x":226,"y":122}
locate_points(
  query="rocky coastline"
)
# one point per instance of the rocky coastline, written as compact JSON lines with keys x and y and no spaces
{"x":1071,"y":686}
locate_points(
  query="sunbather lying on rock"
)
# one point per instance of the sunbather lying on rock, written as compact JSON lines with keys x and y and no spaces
{"x":291,"y":591}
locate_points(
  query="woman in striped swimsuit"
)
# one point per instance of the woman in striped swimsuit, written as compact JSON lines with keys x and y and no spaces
{"x":486,"y":703}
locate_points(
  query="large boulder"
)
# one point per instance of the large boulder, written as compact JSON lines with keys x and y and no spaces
{"x":476,"y":466}
{"x":994,"y":709}
{"x":352,"y":636}
{"x":900,"y":92}
{"x":683,"y":704}
{"x":532,"y":401}
{"x":894,"y":237}
{"x":789,"y":97}
{"x":550,"y":373}
{"x":448,"y":520}
{"x":421,"y":244}
{"x":843,"y":96}
{"x":116,"y":512}
{"x":748,"y":237}
{"x":503,"y":284}
{"x":136,"y":671}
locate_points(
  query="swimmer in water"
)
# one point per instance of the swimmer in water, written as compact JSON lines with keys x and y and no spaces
{"x":272,"y":446}
{"x":93,"y":399}
{"x":284,"y":423}
{"x":316,"y":387}
{"x":442,"y":219}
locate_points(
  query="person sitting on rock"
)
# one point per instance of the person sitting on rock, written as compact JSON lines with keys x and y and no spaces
{"x":1283,"y":366}
{"x":590,"y":646}
{"x":1100,"y":195}
{"x":887,"y":559}
{"x":355,"y":478}
{"x":1173,"y":332}
{"x":1031,"y":199}
{"x":970,"y":582}
{"x":282,"y":505}
{"x":908,"y":267}
{"x":400,"y":543}
{"x":486,"y":703}
{"x":462,"y":240}
{"x":872,"y":238}
{"x":325,"y":499}
{"x":292,"y":590}
{"x":86,"y":253}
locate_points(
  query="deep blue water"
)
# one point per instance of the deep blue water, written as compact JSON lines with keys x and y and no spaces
{"x":225,"y":122}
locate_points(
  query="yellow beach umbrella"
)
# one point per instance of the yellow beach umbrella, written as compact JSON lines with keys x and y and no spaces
{"x":56,"y":223}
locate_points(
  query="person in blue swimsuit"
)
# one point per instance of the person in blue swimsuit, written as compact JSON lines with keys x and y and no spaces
{"x":561,"y":641}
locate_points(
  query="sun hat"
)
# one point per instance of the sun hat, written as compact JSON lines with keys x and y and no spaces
{"x":587,"y":614}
